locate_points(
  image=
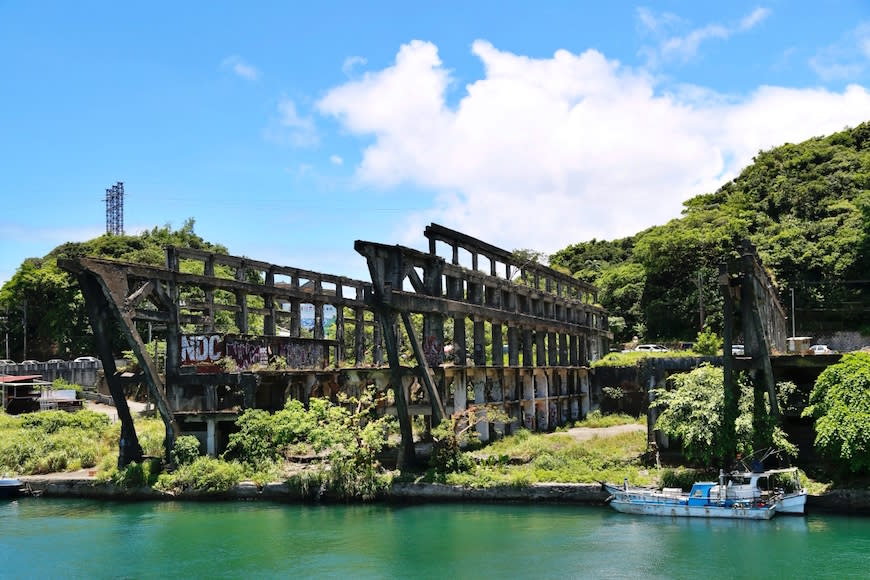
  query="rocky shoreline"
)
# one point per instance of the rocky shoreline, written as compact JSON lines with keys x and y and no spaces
{"x":839,"y":501}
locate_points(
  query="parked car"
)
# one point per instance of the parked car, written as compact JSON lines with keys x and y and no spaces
{"x":737,"y":350}
{"x":86,"y":359}
{"x":820,"y":349}
{"x":55,"y":361}
{"x":29,"y":361}
{"x":6,"y":361}
{"x":651,"y":348}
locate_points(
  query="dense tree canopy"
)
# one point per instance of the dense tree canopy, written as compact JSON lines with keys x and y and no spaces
{"x":50,"y":299}
{"x":805,"y":206}
{"x":840,"y":404}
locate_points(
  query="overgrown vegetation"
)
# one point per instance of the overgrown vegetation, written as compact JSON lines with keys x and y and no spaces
{"x":526,"y":458}
{"x":348,"y":438}
{"x":840,"y":405}
{"x":636,"y":358}
{"x":53,"y":441}
{"x":692,"y":412}
{"x":805,"y":206}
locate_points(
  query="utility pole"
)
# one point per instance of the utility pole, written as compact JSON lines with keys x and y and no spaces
{"x":792,"y":313}
{"x":24,"y":329}
{"x":6,"y":330}
{"x":701,"y":300}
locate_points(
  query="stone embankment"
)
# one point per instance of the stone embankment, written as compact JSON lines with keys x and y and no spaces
{"x":84,"y":485}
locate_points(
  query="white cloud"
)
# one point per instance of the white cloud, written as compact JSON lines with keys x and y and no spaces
{"x":845,"y":59}
{"x":545,"y":152}
{"x":753,"y":18}
{"x":336,"y":160}
{"x":291,"y":128}
{"x":351,"y":62}
{"x":241,"y":68}
{"x":685,"y":47}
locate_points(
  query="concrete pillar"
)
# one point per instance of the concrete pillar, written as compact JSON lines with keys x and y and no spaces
{"x":210,"y":438}
{"x":563,"y":350}
{"x":497,"y":345}
{"x":318,"y":320}
{"x":513,"y":346}
{"x":527,"y":347}
{"x":479,"y":382}
{"x":552,"y":350}
{"x":540,"y":348}
{"x":528,"y":400}
{"x":479,"y":343}
{"x":459,"y":348}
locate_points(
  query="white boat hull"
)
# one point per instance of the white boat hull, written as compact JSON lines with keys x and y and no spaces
{"x":792,"y":504}
{"x":681,"y":510}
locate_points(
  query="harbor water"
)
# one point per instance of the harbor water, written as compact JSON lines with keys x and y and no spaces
{"x":49,"y":538}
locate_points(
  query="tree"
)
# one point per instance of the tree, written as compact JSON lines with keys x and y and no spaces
{"x":840,"y":405}
{"x":692,"y":412}
{"x":57,"y":322}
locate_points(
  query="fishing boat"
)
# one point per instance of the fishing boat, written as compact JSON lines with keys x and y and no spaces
{"x":706,"y":499}
{"x":10,"y":487}
{"x":783,"y":485}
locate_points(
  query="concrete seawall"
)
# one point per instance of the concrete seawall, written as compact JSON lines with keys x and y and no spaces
{"x":79,"y":485}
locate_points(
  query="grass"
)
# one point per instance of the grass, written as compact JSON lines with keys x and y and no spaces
{"x":634,"y":358}
{"x":527,"y":458}
{"x":595,"y":419}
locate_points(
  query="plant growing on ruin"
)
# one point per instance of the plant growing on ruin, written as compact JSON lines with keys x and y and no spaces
{"x":456,"y":432}
{"x":692,"y":412}
{"x":185,"y":450}
{"x":840,"y":405}
{"x":707,"y":343}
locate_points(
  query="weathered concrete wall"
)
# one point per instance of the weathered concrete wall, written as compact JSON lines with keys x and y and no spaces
{"x":85,"y":374}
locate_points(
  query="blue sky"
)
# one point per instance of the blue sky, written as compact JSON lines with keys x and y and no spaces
{"x":288,"y":130}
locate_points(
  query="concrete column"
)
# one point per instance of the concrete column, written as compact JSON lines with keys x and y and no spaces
{"x":513,"y":346}
{"x":528,"y":400}
{"x":479,"y":382}
{"x":540,"y":348}
{"x":497,"y":345}
{"x":527,"y":347}
{"x":359,"y":336}
{"x":563,"y":350}
{"x":318,"y":321}
{"x":459,"y":347}
{"x":479,"y":343}
{"x":210,"y":439}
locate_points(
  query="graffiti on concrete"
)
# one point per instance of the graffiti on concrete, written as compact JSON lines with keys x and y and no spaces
{"x":204,"y":351}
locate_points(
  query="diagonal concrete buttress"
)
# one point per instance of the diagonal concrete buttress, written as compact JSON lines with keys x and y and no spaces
{"x":113,"y":282}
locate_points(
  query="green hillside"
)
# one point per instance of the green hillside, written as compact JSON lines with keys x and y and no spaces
{"x":805,"y":206}
{"x":57,"y":324}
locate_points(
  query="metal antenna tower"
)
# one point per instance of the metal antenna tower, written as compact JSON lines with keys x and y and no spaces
{"x":115,"y":209}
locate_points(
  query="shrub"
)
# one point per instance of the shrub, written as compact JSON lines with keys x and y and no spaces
{"x":254,"y":442}
{"x":707,"y":343}
{"x":205,"y":475}
{"x":840,"y":405}
{"x":185,"y":450}
{"x":137,"y":475}
{"x":693,"y":413}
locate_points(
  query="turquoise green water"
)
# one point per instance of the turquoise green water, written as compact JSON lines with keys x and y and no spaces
{"x":43,"y":538}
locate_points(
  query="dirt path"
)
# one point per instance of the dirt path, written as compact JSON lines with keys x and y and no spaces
{"x":110,"y":410}
{"x":586,"y":433}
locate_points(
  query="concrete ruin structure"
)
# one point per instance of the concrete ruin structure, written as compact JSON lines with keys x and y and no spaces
{"x":496,"y":329}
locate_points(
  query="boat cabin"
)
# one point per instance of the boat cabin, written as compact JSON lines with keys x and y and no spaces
{"x":700,"y":493}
